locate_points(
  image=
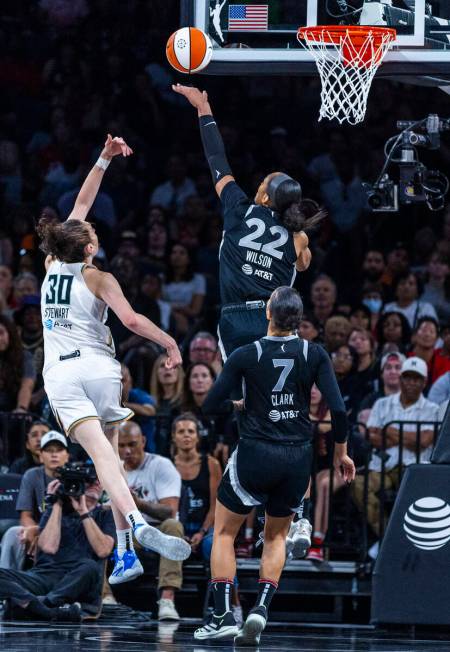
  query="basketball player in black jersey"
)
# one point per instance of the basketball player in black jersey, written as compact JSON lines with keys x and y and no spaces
{"x":264,"y":241}
{"x":272,"y":463}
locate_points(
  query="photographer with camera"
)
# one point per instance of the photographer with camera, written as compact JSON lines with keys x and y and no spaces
{"x":76,"y":534}
{"x":21,"y":540}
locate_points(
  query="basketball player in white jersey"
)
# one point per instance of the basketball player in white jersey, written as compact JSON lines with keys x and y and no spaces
{"x":82,"y":378}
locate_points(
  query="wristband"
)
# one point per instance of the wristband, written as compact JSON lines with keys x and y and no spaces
{"x":83,"y":517}
{"x":103,"y":162}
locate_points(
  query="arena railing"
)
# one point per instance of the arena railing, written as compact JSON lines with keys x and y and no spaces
{"x":348,"y":526}
{"x":385,"y":499}
{"x":344,"y":542}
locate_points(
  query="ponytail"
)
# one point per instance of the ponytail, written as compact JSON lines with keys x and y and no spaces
{"x":65,"y":241}
{"x":302,"y":215}
{"x":296,"y":214}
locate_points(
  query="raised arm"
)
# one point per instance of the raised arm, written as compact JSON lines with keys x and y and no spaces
{"x":210,"y":134}
{"x":106,"y":287}
{"x":89,"y":189}
{"x":218,"y":399}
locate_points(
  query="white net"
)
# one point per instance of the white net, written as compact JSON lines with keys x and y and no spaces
{"x":346,"y":66}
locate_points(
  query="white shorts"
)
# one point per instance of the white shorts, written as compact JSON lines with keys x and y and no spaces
{"x":84,"y":388}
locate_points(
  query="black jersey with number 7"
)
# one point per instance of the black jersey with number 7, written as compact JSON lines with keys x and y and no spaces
{"x":257,"y":253}
{"x":277,"y":374}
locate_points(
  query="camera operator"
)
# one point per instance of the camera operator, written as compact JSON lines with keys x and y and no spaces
{"x":76,"y":533}
{"x":20,"y":540}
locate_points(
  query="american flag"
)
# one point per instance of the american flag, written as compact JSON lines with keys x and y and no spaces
{"x":248,"y":18}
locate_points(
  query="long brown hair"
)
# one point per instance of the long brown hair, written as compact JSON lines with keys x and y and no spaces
{"x":66,"y":241}
{"x":156,"y":389}
{"x":11,"y":360}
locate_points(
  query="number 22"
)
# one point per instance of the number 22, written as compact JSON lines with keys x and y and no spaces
{"x":270,"y":248}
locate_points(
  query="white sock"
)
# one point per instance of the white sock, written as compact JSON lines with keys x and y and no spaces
{"x":319,"y":535}
{"x":249,"y":533}
{"x":124,"y":541}
{"x":135,"y":518}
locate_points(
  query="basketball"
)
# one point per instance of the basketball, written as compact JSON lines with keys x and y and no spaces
{"x":189,"y":50}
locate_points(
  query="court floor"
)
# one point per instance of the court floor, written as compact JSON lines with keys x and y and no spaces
{"x":120,"y":636}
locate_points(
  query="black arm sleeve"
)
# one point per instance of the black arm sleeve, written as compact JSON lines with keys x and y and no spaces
{"x":230,"y":378}
{"x":214,"y":148}
{"x":326,"y":381}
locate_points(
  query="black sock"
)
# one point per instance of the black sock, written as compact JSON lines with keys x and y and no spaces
{"x":305,"y":508}
{"x":221,"y":588}
{"x":266,"y":591}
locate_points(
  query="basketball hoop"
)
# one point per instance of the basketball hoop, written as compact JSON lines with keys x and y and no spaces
{"x":347,"y":58}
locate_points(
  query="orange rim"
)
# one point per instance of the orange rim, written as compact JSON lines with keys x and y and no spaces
{"x":357,"y":33}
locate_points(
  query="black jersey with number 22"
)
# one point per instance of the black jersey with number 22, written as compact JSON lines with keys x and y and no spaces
{"x":257,"y":253}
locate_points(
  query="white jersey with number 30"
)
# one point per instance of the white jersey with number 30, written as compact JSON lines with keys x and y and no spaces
{"x":72,"y":316}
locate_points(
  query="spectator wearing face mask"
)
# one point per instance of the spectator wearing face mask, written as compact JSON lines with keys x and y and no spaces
{"x":372,"y":298}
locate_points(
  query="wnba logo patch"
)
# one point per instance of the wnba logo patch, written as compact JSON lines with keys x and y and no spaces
{"x":427,"y":523}
{"x":274,"y":415}
{"x":247,"y":269}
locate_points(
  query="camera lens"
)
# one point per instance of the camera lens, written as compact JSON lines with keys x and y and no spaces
{"x":375,"y":200}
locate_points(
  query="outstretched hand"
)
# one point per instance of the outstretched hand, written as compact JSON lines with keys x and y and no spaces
{"x":196,"y":97}
{"x":115,"y":146}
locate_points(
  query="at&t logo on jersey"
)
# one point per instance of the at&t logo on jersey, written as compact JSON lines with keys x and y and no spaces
{"x":274,"y":415}
{"x":248,"y":270}
{"x":48,"y":323}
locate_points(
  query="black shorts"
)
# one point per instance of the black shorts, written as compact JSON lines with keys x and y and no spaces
{"x":265,"y":473}
{"x":241,"y":324}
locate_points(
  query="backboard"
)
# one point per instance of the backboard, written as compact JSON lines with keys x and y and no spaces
{"x":257,"y":37}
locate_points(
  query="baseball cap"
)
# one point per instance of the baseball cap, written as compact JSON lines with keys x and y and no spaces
{"x":52,"y":436}
{"x":416,"y":365}
{"x":396,"y":354}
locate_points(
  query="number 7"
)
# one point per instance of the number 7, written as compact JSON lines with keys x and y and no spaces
{"x":287,"y":367}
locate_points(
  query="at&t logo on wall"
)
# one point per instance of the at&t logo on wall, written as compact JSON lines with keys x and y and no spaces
{"x":427,"y":523}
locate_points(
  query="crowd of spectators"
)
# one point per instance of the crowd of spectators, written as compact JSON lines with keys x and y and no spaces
{"x":377,"y":294}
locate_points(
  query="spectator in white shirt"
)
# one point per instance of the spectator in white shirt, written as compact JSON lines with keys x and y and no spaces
{"x":156,"y":488}
{"x":408,"y":405}
{"x":183,"y":289}
{"x":173,"y":193}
